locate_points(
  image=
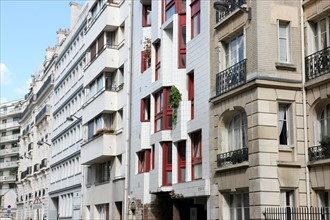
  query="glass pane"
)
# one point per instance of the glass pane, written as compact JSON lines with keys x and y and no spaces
{"x":169,"y":153}
{"x":169,"y":177}
{"x":197,"y":171}
{"x":233,"y":47}
{"x":195,"y":20}
{"x":183,"y":36}
{"x":184,"y":2}
{"x":170,"y":12}
{"x":183,"y":59}
{"x":282,"y":30}
{"x":183,"y":174}
{"x":283,"y":50}
{"x":149,"y":15}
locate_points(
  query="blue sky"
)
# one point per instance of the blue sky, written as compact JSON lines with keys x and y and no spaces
{"x":27,"y":28}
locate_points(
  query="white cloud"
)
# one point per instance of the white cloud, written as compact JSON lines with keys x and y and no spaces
{"x":5,"y":75}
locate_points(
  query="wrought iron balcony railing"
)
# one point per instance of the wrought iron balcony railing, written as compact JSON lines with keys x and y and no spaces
{"x":44,"y":111}
{"x":232,"y":7}
{"x":48,"y":81}
{"x":231,"y":77}
{"x":233,"y":157}
{"x":318,"y":153}
{"x":317,"y":64}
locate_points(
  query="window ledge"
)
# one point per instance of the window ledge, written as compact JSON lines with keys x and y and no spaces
{"x":282,"y":163}
{"x":285,"y":66}
{"x":319,"y":162}
{"x":283,"y":148}
{"x":242,"y":165}
{"x":118,"y":178}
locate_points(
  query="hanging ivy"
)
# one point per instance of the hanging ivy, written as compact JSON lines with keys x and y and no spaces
{"x":175,"y":99}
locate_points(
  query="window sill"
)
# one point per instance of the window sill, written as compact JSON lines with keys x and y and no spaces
{"x":281,"y":163}
{"x":285,"y":148}
{"x":118,"y":178}
{"x":285,"y":66}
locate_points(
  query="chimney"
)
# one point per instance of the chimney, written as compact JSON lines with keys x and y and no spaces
{"x":61,"y":35}
{"x":75,"y":12}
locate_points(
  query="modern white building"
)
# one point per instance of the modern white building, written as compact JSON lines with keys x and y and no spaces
{"x":105,"y":113}
{"x":169,"y":154}
{"x":67,"y":133}
{"x":9,"y":149}
{"x":36,"y":121}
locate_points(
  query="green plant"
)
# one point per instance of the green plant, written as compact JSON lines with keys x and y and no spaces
{"x":147,"y":51}
{"x":325,"y":142}
{"x":174,"y":102}
{"x":104,"y":131}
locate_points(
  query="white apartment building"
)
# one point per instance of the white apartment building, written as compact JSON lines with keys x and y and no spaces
{"x":105,"y":109}
{"x":65,"y":175}
{"x":169,"y":153}
{"x":9,"y":147}
{"x":34,"y":154}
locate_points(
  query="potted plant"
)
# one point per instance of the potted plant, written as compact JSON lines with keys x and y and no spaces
{"x":104,"y":131}
{"x":174,"y":102}
{"x":325,"y":146}
{"x":147,"y":51}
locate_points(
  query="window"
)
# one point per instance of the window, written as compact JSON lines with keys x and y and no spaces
{"x":168,"y":8}
{"x":234,"y":50}
{"x":325,"y":121}
{"x":145,"y":109}
{"x":191,"y":96}
{"x":323,"y":200}
{"x":287,"y":201}
{"x":103,"y":172}
{"x":163,"y":113}
{"x":195,"y":18}
{"x":285,"y":124}
{"x":143,"y":161}
{"x":196,"y":149}
{"x":321,"y":34}
{"x":181,"y":161}
{"x":146,"y":15}
{"x":157,"y":63}
{"x":152,"y":157}
{"x":238,"y":205}
{"x":102,"y":211}
{"x":284,"y":44}
{"x":145,"y":61}
{"x":167,"y":163}
{"x":237,"y":132}
{"x":182,"y":41}
{"x":2,"y":147}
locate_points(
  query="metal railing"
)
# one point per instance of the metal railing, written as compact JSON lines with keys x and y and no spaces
{"x":9,"y":150}
{"x":297,"y":213}
{"x":9,"y":124}
{"x":8,"y":178}
{"x":44,"y":111}
{"x":231,"y":77}
{"x":317,"y":64}
{"x":8,"y":164}
{"x":11,"y":111}
{"x":44,"y":86}
{"x":233,"y":157}
{"x":232,"y":7}
{"x":9,"y":137}
{"x":318,"y":153}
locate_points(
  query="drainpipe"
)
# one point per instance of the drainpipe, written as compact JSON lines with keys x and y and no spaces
{"x":129,"y":105}
{"x":304,"y":102}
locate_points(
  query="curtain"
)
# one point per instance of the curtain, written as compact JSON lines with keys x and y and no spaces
{"x":281,"y":117}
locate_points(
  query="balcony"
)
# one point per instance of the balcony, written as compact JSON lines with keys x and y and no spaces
{"x":98,"y":149}
{"x":7,"y":178}
{"x":9,"y":125}
{"x":107,"y":58}
{"x":23,"y":174}
{"x":30,"y":146}
{"x":26,"y":130}
{"x":43,"y":163}
{"x":232,"y":7}
{"x":49,"y":81}
{"x":10,"y":112}
{"x":233,"y":157}
{"x":8,"y":164}
{"x":231,"y":78}
{"x":319,"y":153}
{"x":13,"y":137}
{"x":317,"y":64}
{"x":13,"y":150}
{"x":42,"y":114}
{"x":36,"y":167}
{"x":104,"y":100}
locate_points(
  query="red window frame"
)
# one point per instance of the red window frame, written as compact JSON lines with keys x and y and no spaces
{"x":167,"y":162}
{"x":145,"y":106}
{"x":143,"y":62}
{"x":145,"y":22}
{"x":182,"y":45}
{"x":157,"y":63}
{"x":191,"y":94}
{"x":181,"y":160}
{"x":143,"y":161}
{"x":196,"y":151}
{"x":195,"y":12}
{"x":167,"y":4}
{"x":164,"y":113}
{"x":152,"y":157}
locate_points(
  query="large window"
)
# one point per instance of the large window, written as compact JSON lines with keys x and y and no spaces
{"x":157,"y":62}
{"x":325,"y":121}
{"x":287,"y":202}
{"x":195,"y":18}
{"x":237,"y":132}
{"x":285,"y":124}
{"x":102,"y":211}
{"x":143,"y":161}
{"x":238,"y":205}
{"x":196,"y":149}
{"x":145,"y":109}
{"x":284,"y":42}
{"x":163,"y":113}
{"x":102,"y":173}
{"x":182,"y":41}
{"x":321,"y":34}
{"x":181,"y":161}
{"x":234,"y":50}
{"x":167,"y":163}
{"x":146,"y":15}
{"x":191,"y":94}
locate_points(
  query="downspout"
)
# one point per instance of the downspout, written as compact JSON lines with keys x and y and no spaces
{"x":128,"y":104}
{"x":304,"y":102}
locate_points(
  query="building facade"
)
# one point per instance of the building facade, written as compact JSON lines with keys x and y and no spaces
{"x":34,"y":155}
{"x":66,"y":177}
{"x":105,"y":114}
{"x":169,"y":152}
{"x":9,"y":150}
